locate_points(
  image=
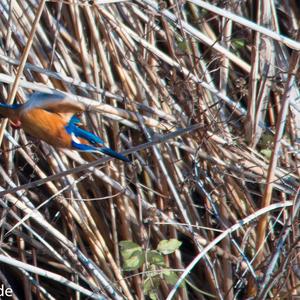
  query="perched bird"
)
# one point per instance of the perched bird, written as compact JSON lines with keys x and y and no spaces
{"x":53,"y":118}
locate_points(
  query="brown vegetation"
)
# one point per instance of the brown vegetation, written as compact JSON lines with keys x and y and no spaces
{"x":205,"y":98}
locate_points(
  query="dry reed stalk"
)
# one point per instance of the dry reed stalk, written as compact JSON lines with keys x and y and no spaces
{"x":193,"y":92}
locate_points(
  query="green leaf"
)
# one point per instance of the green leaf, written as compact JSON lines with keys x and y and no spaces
{"x":266,"y":140}
{"x":168,"y":246}
{"x":151,"y":284}
{"x":170,"y":277}
{"x":134,"y":262}
{"x":152,"y":295}
{"x":239,"y":43}
{"x":203,"y":12}
{"x":266,"y":153}
{"x":133,"y":255}
{"x":128,"y":248}
{"x":182,"y":45}
{"x":155,"y":258}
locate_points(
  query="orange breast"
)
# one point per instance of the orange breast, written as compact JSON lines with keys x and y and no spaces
{"x":49,"y":127}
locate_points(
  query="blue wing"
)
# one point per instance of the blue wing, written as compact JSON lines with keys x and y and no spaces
{"x":42,"y":100}
{"x":57,"y":103}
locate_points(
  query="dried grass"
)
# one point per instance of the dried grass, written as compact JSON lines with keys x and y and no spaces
{"x":207,"y":104}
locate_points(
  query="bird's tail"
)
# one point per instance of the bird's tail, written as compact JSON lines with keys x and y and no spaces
{"x":115,"y":154}
{"x":104,"y":150}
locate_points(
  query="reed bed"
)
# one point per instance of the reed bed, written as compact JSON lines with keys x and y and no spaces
{"x":204,"y":97}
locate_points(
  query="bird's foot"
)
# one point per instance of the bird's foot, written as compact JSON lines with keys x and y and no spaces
{"x":16,"y":124}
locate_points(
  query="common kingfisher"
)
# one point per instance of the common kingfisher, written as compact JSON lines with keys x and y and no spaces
{"x":53,"y":118}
